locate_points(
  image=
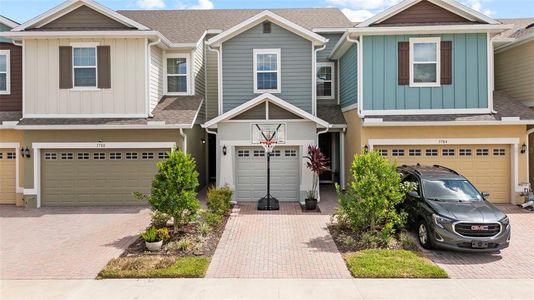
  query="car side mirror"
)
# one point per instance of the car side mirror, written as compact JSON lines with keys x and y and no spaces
{"x":414,"y":194}
{"x":485,"y":195}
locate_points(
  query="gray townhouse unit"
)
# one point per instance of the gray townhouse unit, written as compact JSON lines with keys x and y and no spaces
{"x":106,"y":94}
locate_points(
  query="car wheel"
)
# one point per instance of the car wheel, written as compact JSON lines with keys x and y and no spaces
{"x":423,"y":235}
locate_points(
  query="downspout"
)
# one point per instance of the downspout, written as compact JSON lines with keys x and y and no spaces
{"x":359,"y":72}
{"x":342,"y":158}
{"x":219,"y":78}
{"x":529,"y":132}
{"x":314,"y":79}
{"x":149,"y":59}
{"x":16,"y":43}
{"x":184,"y":136}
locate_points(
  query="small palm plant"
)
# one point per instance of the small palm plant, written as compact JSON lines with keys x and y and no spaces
{"x":317,"y":162}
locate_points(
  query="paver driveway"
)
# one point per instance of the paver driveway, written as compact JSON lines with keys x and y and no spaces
{"x":50,"y":243}
{"x":277,"y":244}
{"x":514,"y":262}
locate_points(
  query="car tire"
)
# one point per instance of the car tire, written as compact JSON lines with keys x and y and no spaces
{"x":423,"y":234}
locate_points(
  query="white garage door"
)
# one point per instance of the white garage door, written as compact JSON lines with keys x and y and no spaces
{"x":488,"y":167}
{"x":251,"y":173}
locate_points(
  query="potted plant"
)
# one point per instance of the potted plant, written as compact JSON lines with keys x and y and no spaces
{"x":317,"y":162}
{"x":154,"y":237}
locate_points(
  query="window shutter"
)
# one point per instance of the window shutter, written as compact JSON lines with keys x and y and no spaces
{"x":104,"y":67}
{"x":446,"y":62}
{"x":65,"y":67}
{"x":404,"y":63}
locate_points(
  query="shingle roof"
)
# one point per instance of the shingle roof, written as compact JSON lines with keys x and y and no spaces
{"x":180,"y":110}
{"x":187,"y":26}
{"x":519,"y":28}
{"x":503,"y":104}
{"x":331,"y":113}
{"x":10,"y":116}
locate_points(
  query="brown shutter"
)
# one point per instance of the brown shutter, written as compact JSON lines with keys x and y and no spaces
{"x":404,"y":63}
{"x":104,"y":67}
{"x":446,"y":62}
{"x":65,"y":67}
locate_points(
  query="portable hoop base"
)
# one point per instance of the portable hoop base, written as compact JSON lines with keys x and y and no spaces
{"x":268,"y":204}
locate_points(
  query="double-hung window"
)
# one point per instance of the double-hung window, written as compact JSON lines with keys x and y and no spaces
{"x":325,"y":80}
{"x":5,"y":75}
{"x":267,"y":71}
{"x":425,"y":62}
{"x":178,"y":70}
{"x":84,"y":66}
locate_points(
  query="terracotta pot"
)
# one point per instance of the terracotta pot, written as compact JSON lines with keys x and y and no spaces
{"x":154,"y":246}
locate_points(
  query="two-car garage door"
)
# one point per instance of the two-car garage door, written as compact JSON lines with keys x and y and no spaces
{"x":488,"y":167}
{"x":251,"y":173}
{"x":97,"y":176}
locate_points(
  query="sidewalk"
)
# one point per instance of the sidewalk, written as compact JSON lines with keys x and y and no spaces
{"x":293,"y":289}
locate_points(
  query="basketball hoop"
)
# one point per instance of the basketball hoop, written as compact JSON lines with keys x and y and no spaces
{"x":268,"y":146}
{"x":268,"y":139}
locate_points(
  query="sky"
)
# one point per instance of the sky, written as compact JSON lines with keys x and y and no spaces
{"x":356,"y":10}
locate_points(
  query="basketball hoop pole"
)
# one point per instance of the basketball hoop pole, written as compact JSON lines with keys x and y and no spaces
{"x":268,"y":202}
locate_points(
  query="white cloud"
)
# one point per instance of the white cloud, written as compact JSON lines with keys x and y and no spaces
{"x":364,"y":4}
{"x":477,"y":5}
{"x":357,"y":15}
{"x":150,"y":4}
{"x":201,"y":4}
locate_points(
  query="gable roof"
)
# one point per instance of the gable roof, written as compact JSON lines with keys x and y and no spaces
{"x":450,"y":5}
{"x":188,"y":26}
{"x":267,"y":16}
{"x":8,"y":22}
{"x":260,"y":99}
{"x":70,"y":5}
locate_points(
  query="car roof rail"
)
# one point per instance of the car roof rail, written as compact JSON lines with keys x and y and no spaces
{"x":412,"y":169}
{"x":445,"y":168}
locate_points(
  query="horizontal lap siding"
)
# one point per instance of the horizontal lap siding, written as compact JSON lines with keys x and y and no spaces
{"x":514,"y":72}
{"x":469,"y":88}
{"x":212,"y":84}
{"x":348,"y":76}
{"x":126,"y":95}
{"x":199,"y":73}
{"x":296,"y":53}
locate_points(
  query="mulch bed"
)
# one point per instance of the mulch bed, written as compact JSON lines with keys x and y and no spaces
{"x":206,"y":244}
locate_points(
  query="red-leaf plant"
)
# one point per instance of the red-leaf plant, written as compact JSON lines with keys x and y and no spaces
{"x":317,"y":162}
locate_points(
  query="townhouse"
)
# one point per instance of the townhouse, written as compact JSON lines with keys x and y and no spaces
{"x":105,"y":94}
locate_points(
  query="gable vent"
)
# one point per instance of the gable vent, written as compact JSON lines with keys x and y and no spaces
{"x":266,"y":27}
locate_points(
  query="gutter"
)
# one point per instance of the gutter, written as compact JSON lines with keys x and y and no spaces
{"x":149,"y":60}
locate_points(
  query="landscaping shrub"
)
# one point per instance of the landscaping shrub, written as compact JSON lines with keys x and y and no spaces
{"x":210,"y":218}
{"x":219,"y":200}
{"x":174,"y":188}
{"x":370,"y":201}
{"x":159,"y":219}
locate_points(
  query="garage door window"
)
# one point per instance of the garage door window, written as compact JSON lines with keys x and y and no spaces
{"x":259,"y":153}
{"x":431,"y":152}
{"x":482,"y":152}
{"x":67,"y":156}
{"x":1,"y":155}
{"x":163,"y":155}
{"x":499,"y":152}
{"x":147,"y":155}
{"x":243,"y":153}
{"x":115,"y":155}
{"x":131,"y":155}
{"x":83,"y":156}
{"x":290,"y":153}
{"x":448,"y":152}
{"x":99,"y":156}
{"x":397,"y":152}
{"x":415,"y":152}
{"x":11,"y":155}
{"x":465,"y":152}
{"x":383,"y":152}
{"x":50,"y":156}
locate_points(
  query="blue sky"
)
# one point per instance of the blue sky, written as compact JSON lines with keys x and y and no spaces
{"x":22,"y":10}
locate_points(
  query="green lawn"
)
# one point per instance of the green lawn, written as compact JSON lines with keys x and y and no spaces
{"x":155,"y":267}
{"x":385,"y":263}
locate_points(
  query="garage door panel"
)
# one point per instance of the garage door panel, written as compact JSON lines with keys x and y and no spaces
{"x":488,"y":167}
{"x":8,"y":171}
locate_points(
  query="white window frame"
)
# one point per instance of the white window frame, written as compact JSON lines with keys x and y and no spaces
{"x":187,"y":75}
{"x":85,"y":45}
{"x":278,"y":70}
{"x":7,"y":91}
{"x":332,"y":66}
{"x":428,"y":40}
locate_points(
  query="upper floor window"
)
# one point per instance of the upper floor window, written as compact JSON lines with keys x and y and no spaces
{"x":84,"y":71}
{"x":267,"y":71}
{"x":5,"y":80}
{"x":424,"y":62}
{"x":325,"y":80}
{"x":177,"y":80}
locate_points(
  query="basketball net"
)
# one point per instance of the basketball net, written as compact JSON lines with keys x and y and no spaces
{"x":269,"y":140}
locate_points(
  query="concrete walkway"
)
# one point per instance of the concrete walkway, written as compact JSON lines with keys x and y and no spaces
{"x":258,"y":289}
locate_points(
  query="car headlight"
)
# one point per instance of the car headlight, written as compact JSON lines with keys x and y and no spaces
{"x":441,"y":221}
{"x":505,"y":221}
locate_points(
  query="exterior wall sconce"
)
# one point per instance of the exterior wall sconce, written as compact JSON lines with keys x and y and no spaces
{"x":366,"y":149}
{"x":203,"y":141}
{"x":25,"y":152}
{"x":224,"y":150}
{"x":523,"y":148}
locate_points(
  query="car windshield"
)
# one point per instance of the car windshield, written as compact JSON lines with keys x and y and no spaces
{"x":450,"y":190}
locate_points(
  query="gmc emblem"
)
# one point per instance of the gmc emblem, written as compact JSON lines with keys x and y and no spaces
{"x":480,"y":227}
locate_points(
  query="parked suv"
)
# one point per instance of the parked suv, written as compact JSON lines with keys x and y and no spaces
{"x":451,"y":213}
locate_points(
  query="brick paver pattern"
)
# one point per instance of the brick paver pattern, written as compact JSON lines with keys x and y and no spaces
{"x":65,"y":243}
{"x":514,"y":262}
{"x":277,"y":244}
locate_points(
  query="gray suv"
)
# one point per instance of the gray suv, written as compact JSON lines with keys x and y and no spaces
{"x":450,"y":213}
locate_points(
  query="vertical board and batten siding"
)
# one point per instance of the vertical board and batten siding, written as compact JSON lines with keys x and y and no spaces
{"x":514,"y":72}
{"x":296,"y":66}
{"x":211,"y":98}
{"x":199,"y":75}
{"x":13,"y":101}
{"x":43,"y":95}
{"x":469,"y":88}
{"x":348,"y":76}
{"x":322,"y":56}
{"x":156,"y":76}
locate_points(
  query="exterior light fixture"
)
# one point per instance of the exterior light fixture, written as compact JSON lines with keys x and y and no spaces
{"x":523,"y":148}
{"x":366,"y":149}
{"x":27,"y":152}
{"x":203,"y":141}
{"x":224,"y":150}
